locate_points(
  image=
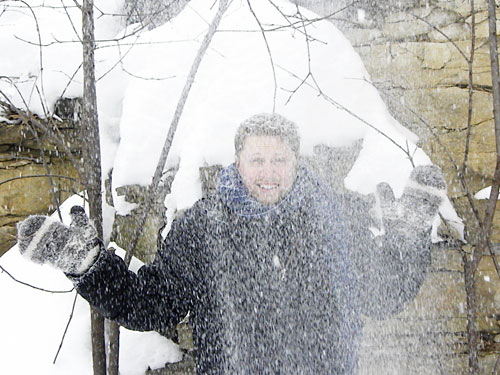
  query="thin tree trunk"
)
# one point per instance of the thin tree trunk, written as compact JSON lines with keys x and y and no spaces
{"x":495,"y":86}
{"x":472,"y":333}
{"x":98,"y":342}
{"x":92,"y":160}
{"x":114,"y":348}
{"x":484,"y":239}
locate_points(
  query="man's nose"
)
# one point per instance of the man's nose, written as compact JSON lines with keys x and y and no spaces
{"x":268,"y":169}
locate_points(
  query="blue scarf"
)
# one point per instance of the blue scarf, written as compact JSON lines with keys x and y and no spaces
{"x":237,"y":197}
{"x":307,"y":191}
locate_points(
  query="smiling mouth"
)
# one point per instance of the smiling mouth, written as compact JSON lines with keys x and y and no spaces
{"x":268,"y":187}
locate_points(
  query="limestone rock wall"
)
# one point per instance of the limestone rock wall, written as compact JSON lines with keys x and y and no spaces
{"x":25,"y":188}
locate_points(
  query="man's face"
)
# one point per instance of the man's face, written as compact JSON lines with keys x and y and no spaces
{"x":267,"y":166}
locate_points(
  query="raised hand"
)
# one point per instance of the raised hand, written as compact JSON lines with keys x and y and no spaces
{"x":416,"y":209}
{"x":71,"y":249}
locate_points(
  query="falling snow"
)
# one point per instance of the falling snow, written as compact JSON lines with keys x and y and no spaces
{"x":136,"y":102}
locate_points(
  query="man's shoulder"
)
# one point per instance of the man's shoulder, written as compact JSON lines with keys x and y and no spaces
{"x":197,"y":224}
{"x":207,"y":208}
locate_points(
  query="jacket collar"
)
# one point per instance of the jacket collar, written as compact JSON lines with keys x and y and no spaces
{"x":239,"y":200}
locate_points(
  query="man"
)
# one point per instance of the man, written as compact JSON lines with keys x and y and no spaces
{"x":271,"y":270}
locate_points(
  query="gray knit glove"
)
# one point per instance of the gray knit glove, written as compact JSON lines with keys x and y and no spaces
{"x":414,"y":212}
{"x":71,"y":249}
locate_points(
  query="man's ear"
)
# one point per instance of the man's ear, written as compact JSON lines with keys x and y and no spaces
{"x":237,"y":162}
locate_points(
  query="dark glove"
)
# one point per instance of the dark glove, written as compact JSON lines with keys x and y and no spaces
{"x":415,"y":211}
{"x":71,"y":249}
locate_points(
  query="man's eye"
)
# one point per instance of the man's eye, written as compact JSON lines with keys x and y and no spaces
{"x":257,"y":161}
{"x":279,"y":161}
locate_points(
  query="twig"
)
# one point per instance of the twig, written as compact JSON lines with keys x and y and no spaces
{"x":35,"y":287}
{"x":442,"y":33}
{"x":309,"y":73}
{"x":496,"y":367}
{"x":77,"y":4}
{"x":122,"y":67}
{"x":71,"y":21}
{"x":470,"y":62}
{"x":343,"y":108}
{"x":296,"y":25}
{"x":70,"y":81}
{"x":153,"y":187}
{"x":66,"y":329}
{"x":40,"y":53}
{"x":493,"y":257}
{"x":74,"y":192}
{"x":37,"y":176}
{"x":275,"y":81}
{"x":469,"y":116}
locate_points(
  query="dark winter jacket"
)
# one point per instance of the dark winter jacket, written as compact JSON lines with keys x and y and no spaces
{"x":269,"y":289}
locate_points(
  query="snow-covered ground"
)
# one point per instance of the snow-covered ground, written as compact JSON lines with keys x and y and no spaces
{"x":141,"y":75}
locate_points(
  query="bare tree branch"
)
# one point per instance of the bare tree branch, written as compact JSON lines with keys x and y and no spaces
{"x":77,"y":4}
{"x":446,"y":36}
{"x":35,"y":287}
{"x":309,"y":70}
{"x":66,"y":329}
{"x":153,"y":187}
{"x":40,"y":52}
{"x":71,"y":21}
{"x":496,"y":368}
{"x":275,"y":82}
{"x":122,"y":67}
{"x":484,"y":237}
{"x":345,"y":109}
{"x":37,"y":176}
{"x":470,"y":62}
{"x":298,"y":25}
{"x":70,"y":81}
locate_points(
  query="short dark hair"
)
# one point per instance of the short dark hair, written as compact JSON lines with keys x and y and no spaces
{"x":268,"y":124}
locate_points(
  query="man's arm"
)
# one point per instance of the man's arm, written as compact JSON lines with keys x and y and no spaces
{"x":391,"y":266}
{"x":389,"y":270}
{"x":157,"y":297}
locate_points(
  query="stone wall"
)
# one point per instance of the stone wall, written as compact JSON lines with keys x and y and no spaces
{"x":30,"y":150}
